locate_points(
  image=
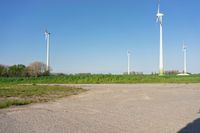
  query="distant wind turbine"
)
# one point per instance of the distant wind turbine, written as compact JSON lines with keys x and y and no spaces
{"x":184,"y":61}
{"x":185,"y":58}
{"x":129,"y":56}
{"x":47,"y":38}
{"x":159,"y":19}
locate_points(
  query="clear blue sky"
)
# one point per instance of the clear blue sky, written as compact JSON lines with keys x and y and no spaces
{"x":94,"y":35}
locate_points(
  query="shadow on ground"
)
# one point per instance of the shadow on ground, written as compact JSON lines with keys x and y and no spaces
{"x":193,"y":127}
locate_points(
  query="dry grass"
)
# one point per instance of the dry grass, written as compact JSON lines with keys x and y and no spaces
{"x":22,"y":94}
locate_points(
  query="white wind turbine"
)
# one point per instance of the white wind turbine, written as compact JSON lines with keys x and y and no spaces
{"x":47,"y":38}
{"x":185,"y":58}
{"x":159,"y":19}
{"x":129,"y":57}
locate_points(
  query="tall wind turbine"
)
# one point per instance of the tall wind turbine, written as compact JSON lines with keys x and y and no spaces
{"x":47,"y":38}
{"x":129,"y":56}
{"x":185,"y":58}
{"x":159,"y":19}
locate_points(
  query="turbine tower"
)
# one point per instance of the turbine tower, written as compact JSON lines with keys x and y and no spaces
{"x":47,"y":38}
{"x":129,"y":56}
{"x":185,"y":58}
{"x":159,"y":19}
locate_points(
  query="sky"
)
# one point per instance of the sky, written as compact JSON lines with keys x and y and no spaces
{"x":93,"y":36}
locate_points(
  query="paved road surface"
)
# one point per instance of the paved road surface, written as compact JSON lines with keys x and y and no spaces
{"x":149,"y":108}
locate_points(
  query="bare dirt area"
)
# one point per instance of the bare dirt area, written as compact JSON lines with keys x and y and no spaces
{"x":136,"y":108}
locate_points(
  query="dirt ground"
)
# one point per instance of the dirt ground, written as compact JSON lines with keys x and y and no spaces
{"x":111,"y":108}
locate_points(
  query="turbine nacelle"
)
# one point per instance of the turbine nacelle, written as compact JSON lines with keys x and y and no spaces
{"x":160,"y":14}
{"x":184,"y":47}
{"x":46,"y":33}
{"x":159,"y":17}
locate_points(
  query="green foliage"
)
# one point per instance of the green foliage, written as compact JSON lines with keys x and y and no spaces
{"x":17,"y":70}
{"x":102,"y":78}
{"x":3,"y":70}
{"x":34,"y":69}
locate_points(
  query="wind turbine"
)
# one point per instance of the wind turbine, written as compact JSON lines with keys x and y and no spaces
{"x":184,"y":61}
{"x":47,"y":38}
{"x":129,"y":56}
{"x":185,"y":58}
{"x":159,"y":19}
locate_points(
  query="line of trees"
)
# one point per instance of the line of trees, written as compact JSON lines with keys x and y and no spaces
{"x":133,"y":73}
{"x":35,"y":69}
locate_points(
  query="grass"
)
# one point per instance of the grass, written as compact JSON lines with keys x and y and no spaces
{"x":7,"y":103}
{"x":25,"y":94}
{"x":102,"y":79}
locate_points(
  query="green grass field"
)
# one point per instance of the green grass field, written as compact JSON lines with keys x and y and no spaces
{"x":25,"y":94}
{"x":102,"y":79}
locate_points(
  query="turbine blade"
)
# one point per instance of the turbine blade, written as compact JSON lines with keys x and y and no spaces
{"x":158,"y":6}
{"x":46,"y":35}
{"x":157,"y":19}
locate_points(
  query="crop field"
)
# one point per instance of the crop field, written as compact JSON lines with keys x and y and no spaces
{"x":101,"y":79}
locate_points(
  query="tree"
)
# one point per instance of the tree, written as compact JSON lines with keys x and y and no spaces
{"x":171,"y":72}
{"x":17,"y":70}
{"x":21,"y":70}
{"x":3,"y":70}
{"x":36,"y":69}
{"x":12,"y":70}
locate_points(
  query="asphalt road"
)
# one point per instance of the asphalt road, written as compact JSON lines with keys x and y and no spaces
{"x":139,"y":108}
